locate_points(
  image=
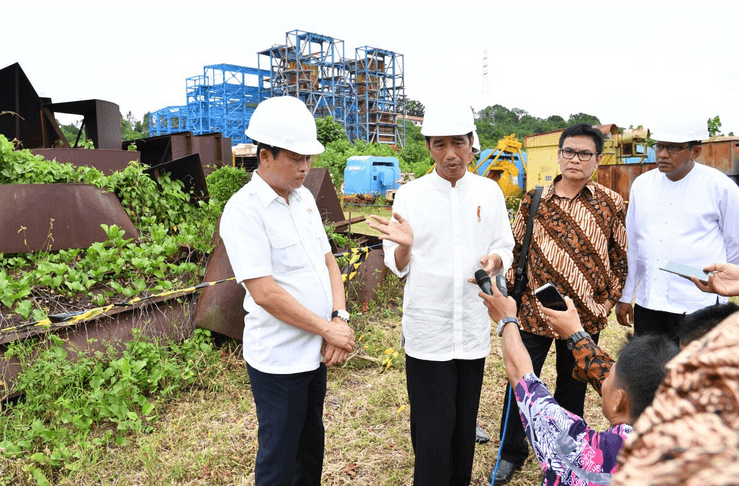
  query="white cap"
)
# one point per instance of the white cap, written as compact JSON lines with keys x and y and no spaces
{"x":285,"y":122}
{"x":447,"y":118}
{"x":680,"y":137}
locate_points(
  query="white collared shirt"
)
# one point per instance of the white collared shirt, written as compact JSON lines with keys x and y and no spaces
{"x":693,"y":221}
{"x":443,"y":317}
{"x":264,"y":236}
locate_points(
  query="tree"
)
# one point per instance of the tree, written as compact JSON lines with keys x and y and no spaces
{"x":131,"y":129}
{"x":414,"y":108}
{"x":583,"y":118}
{"x":329,"y":130}
{"x":714,"y":126}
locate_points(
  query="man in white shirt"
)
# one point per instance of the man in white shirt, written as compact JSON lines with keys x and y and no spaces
{"x":295,"y":306}
{"x":683,"y":212}
{"x":445,"y":226}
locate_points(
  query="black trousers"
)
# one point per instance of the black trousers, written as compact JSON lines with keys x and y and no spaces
{"x":570,"y":393}
{"x":444,"y":397}
{"x":291,"y":434}
{"x":648,"y":321}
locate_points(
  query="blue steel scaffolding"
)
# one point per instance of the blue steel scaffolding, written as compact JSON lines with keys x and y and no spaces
{"x":363,"y":94}
{"x":379,"y":80}
{"x":221,"y":100}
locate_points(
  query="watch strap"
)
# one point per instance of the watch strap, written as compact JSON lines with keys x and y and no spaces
{"x":575,"y":338}
{"x":341,"y":314}
{"x":503,"y":322}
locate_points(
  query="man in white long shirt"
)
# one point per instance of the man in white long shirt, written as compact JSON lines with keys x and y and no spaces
{"x":445,"y":226}
{"x":683,"y":212}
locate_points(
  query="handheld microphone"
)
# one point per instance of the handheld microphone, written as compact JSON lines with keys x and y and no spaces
{"x":483,"y":280}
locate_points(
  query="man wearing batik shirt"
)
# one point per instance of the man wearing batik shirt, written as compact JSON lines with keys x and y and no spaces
{"x":570,"y":452}
{"x":578,"y":244}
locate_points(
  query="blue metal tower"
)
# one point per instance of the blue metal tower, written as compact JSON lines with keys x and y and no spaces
{"x":364,"y":94}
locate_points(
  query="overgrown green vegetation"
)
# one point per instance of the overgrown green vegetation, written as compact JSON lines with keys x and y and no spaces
{"x":174,"y":237}
{"x":72,"y":410}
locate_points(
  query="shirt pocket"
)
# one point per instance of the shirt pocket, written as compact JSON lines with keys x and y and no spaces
{"x":288,"y":254}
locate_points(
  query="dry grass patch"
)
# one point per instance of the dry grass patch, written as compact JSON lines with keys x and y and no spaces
{"x":209,"y":435}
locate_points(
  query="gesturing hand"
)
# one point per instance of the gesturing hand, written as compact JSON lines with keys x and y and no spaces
{"x":399,"y":231}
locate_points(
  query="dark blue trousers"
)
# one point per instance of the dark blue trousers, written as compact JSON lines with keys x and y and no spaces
{"x":291,"y":434}
{"x":444,"y":397}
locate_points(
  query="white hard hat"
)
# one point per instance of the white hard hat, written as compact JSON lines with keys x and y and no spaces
{"x":475,"y":142}
{"x":446,"y":119}
{"x":285,"y":122}
{"x":680,"y":137}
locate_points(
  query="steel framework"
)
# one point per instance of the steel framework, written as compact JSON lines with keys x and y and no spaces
{"x":222,"y":99}
{"x":365,"y":94}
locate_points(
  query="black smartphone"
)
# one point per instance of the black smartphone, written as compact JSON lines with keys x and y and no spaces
{"x":550,"y":297}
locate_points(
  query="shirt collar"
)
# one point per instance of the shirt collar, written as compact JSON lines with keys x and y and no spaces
{"x":588,"y":191}
{"x":442,"y":183}
{"x":266,"y":194}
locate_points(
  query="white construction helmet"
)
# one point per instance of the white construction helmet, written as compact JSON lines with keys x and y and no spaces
{"x":447,"y":118}
{"x":475,"y":142}
{"x":285,"y":122}
{"x":680,"y":137}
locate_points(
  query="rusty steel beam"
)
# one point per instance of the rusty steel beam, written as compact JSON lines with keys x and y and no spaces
{"x":320,"y":185}
{"x":221,"y":307}
{"x":618,"y":177}
{"x":187,"y":169}
{"x":102,"y":120}
{"x":170,"y":319}
{"x":40,"y":217}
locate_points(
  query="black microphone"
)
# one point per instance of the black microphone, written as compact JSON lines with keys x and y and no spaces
{"x":483,"y":280}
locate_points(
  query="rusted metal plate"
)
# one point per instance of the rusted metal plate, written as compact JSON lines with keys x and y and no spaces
{"x":102,"y":120}
{"x":212,"y":147}
{"x":721,"y":153}
{"x":171,"y":319}
{"x":186,"y":169}
{"x":221,"y":307}
{"x":30,"y":125}
{"x":214,"y":150}
{"x":619,"y":177}
{"x":371,"y":273}
{"x":106,"y":161}
{"x":77,"y":211}
{"x":320,"y":185}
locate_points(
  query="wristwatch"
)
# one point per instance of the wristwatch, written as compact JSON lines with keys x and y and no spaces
{"x":341,"y":314}
{"x":503,"y":322}
{"x":575,"y":338}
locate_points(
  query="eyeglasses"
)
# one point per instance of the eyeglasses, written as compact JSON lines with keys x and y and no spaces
{"x":672,"y":149}
{"x":584,"y":156}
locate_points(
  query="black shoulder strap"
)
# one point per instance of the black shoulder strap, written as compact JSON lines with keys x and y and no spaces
{"x":521,"y":264}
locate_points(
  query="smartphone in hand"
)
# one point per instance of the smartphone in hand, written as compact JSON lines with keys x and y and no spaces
{"x":685,"y":271}
{"x":550,"y":297}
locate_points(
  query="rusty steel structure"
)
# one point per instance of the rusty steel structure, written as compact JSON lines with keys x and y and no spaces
{"x":43,"y":217}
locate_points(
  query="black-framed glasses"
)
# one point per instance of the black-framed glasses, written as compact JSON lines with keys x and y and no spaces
{"x":670,"y":147}
{"x":583,"y":155}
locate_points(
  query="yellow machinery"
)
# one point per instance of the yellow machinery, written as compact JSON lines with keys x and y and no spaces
{"x":499,"y":166}
{"x":541,"y":150}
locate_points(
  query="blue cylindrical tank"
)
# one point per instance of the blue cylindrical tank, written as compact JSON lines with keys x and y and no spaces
{"x":368,"y":174}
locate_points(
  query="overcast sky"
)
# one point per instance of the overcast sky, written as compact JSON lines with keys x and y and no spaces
{"x":668,"y":66}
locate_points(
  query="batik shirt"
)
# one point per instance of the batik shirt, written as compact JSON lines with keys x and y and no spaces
{"x":570,"y":452}
{"x":578,"y":245}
